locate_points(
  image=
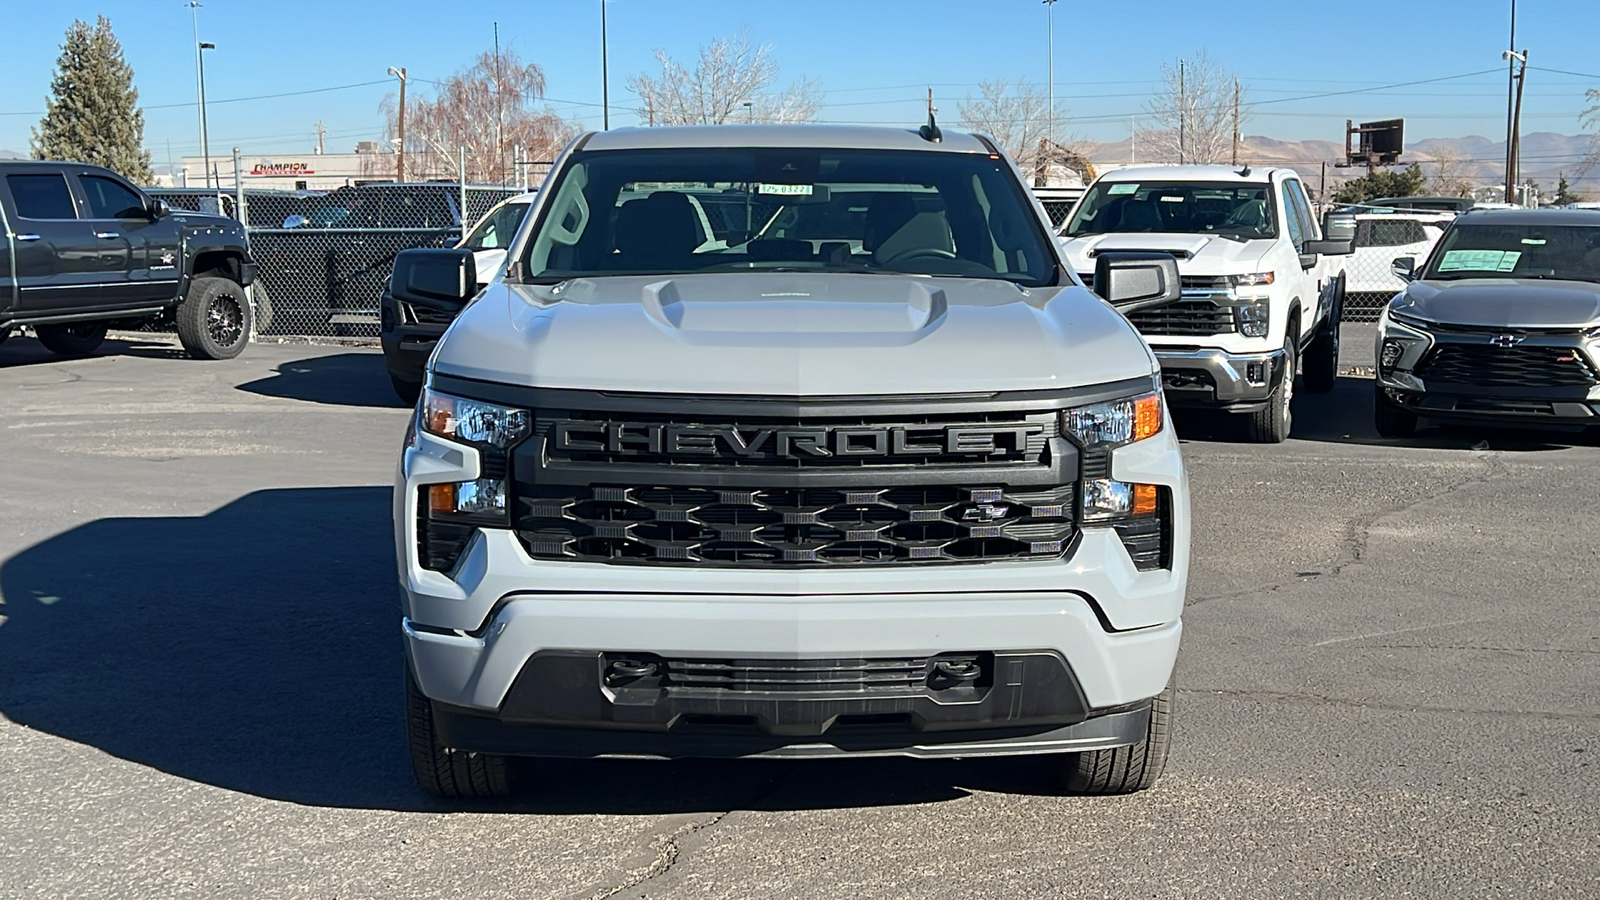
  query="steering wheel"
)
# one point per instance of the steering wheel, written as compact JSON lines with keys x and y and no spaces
{"x":921,"y":253}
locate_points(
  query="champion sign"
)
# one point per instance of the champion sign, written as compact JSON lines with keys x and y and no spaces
{"x":287,"y":170}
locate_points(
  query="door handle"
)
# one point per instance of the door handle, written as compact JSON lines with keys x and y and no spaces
{"x":107,"y":235}
{"x":27,"y":237}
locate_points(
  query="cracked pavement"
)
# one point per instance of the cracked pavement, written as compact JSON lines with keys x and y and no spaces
{"x":1389,"y":687}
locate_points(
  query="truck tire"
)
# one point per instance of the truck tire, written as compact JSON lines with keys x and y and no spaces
{"x":1321,"y":362}
{"x":72,"y":338}
{"x":407,"y":391}
{"x":1390,"y":418}
{"x":214,"y":318}
{"x":1124,"y":770}
{"x":447,"y":773}
{"x":1271,"y":424}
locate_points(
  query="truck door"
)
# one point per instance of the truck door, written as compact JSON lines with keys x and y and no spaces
{"x":120,"y":214}
{"x":1301,"y":229}
{"x":60,"y":264}
{"x":1318,"y":290}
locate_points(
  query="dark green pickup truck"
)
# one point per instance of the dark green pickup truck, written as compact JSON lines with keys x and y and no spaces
{"x":84,"y":249}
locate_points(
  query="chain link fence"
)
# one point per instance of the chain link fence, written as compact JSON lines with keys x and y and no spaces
{"x":323,"y":257}
{"x":1381,"y":238}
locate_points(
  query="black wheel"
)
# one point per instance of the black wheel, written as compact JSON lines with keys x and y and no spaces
{"x":72,"y":338}
{"x":261,"y":305}
{"x":443,"y":772}
{"x":1270,"y":425}
{"x":407,"y":391}
{"x":1124,"y":770}
{"x":214,"y":319}
{"x":1391,"y":419}
{"x":1321,"y":362}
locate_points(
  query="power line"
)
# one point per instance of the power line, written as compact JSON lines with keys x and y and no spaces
{"x":324,"y":90}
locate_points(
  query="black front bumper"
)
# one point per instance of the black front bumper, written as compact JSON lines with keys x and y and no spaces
{"x":406,"y":345}
{"x":1564,"y":407}
{"x":575,"y":704}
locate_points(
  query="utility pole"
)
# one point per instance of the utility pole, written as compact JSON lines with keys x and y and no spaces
{"x":605,"y":87}
{"x":1050,"y":76}
{"x":1183,"y":114}
{"x":1236,"y":121}
{"x":1133,"y":141}
{"x":400,"y":127}
{"x":1516,"y":126}
{"x":322,"y":131}
{"x":499,"y":110}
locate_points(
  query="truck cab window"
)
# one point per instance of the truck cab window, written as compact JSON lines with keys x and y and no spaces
{"x":110,"y":199}
{"x":42,"y":196}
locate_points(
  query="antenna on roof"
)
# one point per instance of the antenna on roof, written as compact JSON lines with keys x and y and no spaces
{"x":930,"y":131}
{"x":1245,"y":172}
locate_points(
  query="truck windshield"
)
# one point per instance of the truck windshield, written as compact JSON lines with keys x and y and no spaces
{"x":497,"y":228}
{"x":633,"y":212}
{"x":1173,"y":207}
{"x":1565,"y":252}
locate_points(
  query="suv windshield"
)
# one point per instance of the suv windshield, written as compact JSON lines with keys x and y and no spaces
{"x":1231,"y":210}
{"x":631,"y":212}
{"x":497,"y":228}
{"x":1568,"y":252}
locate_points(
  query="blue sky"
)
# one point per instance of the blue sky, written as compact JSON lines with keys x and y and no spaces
{"x":873,"y":57}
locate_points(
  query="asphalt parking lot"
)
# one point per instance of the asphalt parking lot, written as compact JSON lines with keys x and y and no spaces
{"x":1390,"y":681}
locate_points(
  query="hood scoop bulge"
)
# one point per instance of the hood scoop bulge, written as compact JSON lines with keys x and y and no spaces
{"x":867,"y":305}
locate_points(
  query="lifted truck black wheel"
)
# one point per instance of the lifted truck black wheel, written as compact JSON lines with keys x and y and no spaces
{"x":72,"y":338}
{"x":407,"y":391}
{"x":1321,"y":362}
{"x":1271,"y":424}
{"x":1124,"y":770}
{"x":214,"y":319}
{"x":1390,"y":418}
{"x":447,"y":773}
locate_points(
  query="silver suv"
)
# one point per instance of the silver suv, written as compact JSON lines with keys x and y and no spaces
{"x":864,"y":471}
{"x":1498,"y":326}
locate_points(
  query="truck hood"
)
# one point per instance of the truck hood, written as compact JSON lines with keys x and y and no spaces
{"x":793,"y":334}
{"x":1503,"y":302}
{"x":1198,"y":254}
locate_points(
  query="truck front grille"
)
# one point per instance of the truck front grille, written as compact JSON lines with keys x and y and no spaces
{"x":1524,"y":366}
{"x":794,"y":526}
{"x":1184,"y":317}
{"x":823,"y":676}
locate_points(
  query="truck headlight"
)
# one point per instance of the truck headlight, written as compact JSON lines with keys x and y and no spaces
{"x":472,"y":421}
{"x":1254,"y":279}
{"x":1254,"y":318}
{"x":1110,"y":425}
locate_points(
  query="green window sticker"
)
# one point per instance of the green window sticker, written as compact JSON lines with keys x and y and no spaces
{"x":1131,"y":187}
{"x":1479,"y":260}
{"x":786,"y":190}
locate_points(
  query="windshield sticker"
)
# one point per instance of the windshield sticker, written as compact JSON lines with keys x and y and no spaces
{"x":1534,"y":242}
{"x":1479,"y":260}
{"x":1176,"y":199}
{"x":786,"y":190}
{"x":1131,"y":187}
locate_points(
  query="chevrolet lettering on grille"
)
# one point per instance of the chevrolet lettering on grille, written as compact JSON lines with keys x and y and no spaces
{"x":728,"y":441}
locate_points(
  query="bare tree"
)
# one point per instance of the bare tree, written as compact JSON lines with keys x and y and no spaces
{"x":729,"y":83}
{"x":1193,"y":113}
{"x":490,"y":108}
{"x":1450,"y":177}
{"x":1590,"y":119}
{"x":1016,"y":115}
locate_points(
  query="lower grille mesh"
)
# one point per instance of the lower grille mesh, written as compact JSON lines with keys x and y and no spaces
{"x":1490,"y":366}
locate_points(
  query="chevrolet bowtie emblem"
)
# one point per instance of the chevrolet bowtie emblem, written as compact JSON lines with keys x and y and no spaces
{"x":1506,"y":341}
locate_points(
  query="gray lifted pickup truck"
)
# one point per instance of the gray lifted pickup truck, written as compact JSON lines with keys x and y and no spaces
{"x":871,"y":472}
{"x":84,"y":248}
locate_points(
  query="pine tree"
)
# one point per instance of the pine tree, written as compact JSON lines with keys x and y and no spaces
{"x":92,"y":114}
{"x":1564,"y":194}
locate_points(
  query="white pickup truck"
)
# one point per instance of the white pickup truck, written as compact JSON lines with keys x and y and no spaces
{"x":1262,"y":289}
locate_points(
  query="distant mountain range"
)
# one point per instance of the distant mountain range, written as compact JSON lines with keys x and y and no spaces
{"x":1480,"y":160}
{"x":12,"y":154}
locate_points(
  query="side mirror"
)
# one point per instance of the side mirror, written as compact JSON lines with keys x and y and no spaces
{"x":1338,"y":226}
{"x":435,"y":279}
{"x":1404,"y":268}
{"x":159,"y":209}
{"x":1330,"y":247}
{"x":1134,"y":281}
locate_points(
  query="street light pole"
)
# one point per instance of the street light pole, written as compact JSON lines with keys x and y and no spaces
{"x":205,"y":130}
{"x":200,"y":89}
{"x":1050,"y":76}
{"x":400,"y":127}
{"x":605,"y":74}
{"x":1511,"y":83}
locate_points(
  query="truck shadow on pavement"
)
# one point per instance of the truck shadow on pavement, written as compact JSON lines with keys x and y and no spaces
{"x":342,"y":379}
{"x":18,"y":352}
{"x":257,"y":649}
{"x":1344,"y":416}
